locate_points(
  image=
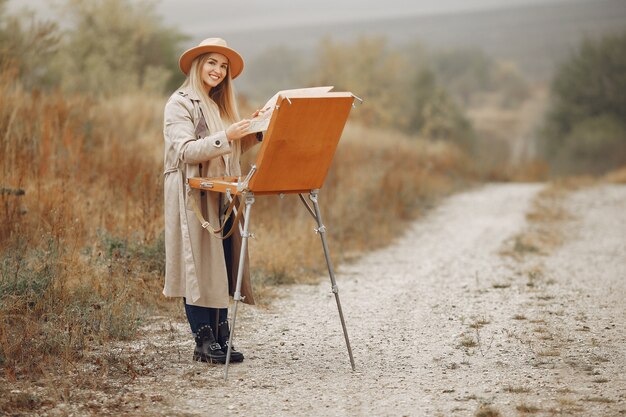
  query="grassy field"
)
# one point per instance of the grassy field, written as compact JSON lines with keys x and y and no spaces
{"x":81,"y":243}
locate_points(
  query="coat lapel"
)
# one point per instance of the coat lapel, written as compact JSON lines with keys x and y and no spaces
{"x":209,"y":115}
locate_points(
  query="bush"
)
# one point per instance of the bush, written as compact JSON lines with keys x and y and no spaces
{"x":108,"y":47}
{"x":117,"y":46}
{"x":27,"y":45}
{"x":595,"y":143}
{"x":435,"y":115}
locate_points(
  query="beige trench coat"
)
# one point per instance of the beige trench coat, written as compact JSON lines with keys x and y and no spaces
{"x":195,"y":267}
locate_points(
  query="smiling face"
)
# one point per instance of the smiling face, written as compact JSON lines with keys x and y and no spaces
{"x":214,"y":70}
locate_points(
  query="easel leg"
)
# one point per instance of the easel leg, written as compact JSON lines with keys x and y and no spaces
{"x":321,"y":229}
{"x":249,"y":199}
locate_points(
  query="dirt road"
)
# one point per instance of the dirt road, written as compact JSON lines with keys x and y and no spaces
{"x":442,"y":323}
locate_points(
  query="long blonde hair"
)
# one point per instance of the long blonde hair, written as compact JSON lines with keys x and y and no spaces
{"x":223,"y":94}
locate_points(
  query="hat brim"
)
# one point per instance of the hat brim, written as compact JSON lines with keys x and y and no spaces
{"x":235,"y":61}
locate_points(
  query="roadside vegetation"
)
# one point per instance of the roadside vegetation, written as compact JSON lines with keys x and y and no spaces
{"x":81,"y":226}
{"x":81,"y":215}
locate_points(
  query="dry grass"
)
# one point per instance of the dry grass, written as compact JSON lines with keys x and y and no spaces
{"x":541,"y":237}
{"x":617,"y":176}
{"x":549,"y":353}
{"x":507,"y":132}
{"x":487,"y":411}
{"x":517,"y":390}
{"x":81,"y":256}
{"x":527,"y":409}
{"x":479,"y":323}
{"x":568,"y":405}
{"x":601,"y":400}
{"x":81,"y":247}
{"x":468,"y":342}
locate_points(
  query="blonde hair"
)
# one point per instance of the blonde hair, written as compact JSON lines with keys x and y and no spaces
{"x":223,"y":94}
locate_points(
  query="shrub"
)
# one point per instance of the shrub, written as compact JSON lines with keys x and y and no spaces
{"x":434,"y":114}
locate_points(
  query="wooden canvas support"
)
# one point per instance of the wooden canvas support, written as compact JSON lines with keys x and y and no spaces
{"x":297,"y":149}
{"x":294,"y":158}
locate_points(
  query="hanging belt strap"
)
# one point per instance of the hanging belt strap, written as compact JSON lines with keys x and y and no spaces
{"x":216,"y":232}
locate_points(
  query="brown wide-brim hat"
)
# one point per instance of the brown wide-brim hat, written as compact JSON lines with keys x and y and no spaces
{"x":235,"y":61}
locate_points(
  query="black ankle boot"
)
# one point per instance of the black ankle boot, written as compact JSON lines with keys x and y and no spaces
{"x":207,"y":349}
{"x":223,"y":334}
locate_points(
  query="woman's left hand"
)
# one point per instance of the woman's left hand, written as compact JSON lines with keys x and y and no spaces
{"x":256,"y":113}
{"x":237,"y":130}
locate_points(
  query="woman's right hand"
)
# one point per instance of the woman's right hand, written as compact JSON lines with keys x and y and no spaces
{"x":237,"y":130}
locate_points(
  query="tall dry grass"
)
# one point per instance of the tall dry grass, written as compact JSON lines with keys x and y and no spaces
{"x":81,"y":247}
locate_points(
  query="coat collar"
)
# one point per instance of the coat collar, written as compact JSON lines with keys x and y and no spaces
{"x":188,"y":92}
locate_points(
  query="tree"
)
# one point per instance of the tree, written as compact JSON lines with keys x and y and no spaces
{"x":117,"y":46}
{"x":585,"y":128}
{"x":435,"y":114}
{"x":369,"y":69}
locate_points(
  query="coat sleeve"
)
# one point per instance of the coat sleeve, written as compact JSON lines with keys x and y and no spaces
{"x":179,"y":130}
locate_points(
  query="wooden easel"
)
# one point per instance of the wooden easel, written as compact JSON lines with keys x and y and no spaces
{"x":294,"y":158}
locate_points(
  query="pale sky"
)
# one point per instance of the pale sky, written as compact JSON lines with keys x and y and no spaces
{"x":195,"y":16}
{"x":234,"y":15}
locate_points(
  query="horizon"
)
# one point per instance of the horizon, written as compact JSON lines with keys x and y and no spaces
{"x":248,"y":15}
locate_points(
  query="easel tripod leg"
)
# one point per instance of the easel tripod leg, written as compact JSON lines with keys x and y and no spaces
{"x":249,"y":199}
{"x":321,"y":229}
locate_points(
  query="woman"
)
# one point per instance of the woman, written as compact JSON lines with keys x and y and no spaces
{"x":203,"y":138}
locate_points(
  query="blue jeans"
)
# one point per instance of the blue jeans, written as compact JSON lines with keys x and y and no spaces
{"x":201,"y":316}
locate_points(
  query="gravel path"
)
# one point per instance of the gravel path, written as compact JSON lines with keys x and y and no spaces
{"x":441,"y":324}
